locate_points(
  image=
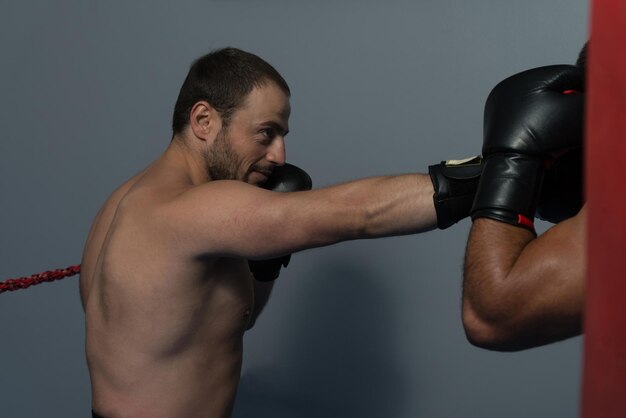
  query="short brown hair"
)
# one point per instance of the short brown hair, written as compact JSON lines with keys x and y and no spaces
{"x":223,"y":78}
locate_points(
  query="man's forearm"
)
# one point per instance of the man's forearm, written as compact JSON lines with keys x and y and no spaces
{"x":401,"y":205}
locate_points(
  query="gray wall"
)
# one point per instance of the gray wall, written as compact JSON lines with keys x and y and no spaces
{"x":360,"y":329}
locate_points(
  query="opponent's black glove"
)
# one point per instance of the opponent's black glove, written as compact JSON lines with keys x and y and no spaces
{"x":285,"y":178}
{"x":562,"y":190}
{"x":531,"y":118}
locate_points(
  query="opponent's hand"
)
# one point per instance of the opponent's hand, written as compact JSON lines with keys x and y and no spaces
{"x":537,"y":112}
{"x":285,"y":178}
{"x":530,"y":118}
{"x":562,"y":189}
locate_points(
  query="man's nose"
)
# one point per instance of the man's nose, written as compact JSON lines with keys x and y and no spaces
{"x":276,"y":151}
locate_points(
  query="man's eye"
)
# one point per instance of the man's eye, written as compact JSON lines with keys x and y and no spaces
{"x":269,"y":133}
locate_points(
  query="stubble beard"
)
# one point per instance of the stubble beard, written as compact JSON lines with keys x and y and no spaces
{"x":221,"y":159}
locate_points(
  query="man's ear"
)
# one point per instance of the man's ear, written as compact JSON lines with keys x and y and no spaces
{"x":205,"y":121}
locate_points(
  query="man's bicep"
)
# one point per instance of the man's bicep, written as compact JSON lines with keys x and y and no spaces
{"x":234,"y":219}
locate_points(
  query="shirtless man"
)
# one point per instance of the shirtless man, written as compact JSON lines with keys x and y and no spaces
{"x":522,"y":290}
{"x":165,"y":280}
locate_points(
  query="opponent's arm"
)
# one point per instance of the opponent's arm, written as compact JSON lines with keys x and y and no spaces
{"x":520,"y":291}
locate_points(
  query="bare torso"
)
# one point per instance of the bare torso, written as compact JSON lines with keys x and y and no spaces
{"x":164,"y":328}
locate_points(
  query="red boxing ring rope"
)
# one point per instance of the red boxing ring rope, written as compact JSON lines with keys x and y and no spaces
{"x":46,"y":276}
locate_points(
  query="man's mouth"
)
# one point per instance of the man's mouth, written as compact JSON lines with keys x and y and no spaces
{"x":264,"y":173}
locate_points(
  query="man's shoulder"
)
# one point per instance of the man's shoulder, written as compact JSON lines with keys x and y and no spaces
{"x":208,"y":194}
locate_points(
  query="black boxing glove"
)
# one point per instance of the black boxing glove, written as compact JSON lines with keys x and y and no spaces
{"x":530,"y":119}
{"x":562,"y":190}
{"x":284,"y":178}
{"x":455,"y":183}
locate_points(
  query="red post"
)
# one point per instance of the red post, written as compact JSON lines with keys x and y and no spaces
{"x":604,"y":373}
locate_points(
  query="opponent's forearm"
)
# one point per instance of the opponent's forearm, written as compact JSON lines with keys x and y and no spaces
{"x":520,"y":292}
{"x":492,"y":251}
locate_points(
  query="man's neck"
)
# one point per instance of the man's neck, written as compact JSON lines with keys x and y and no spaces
{"x":190,"y":160}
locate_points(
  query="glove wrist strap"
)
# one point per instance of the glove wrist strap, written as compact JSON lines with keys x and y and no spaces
{"x":455,"y":183}
{"x":509,"y":189}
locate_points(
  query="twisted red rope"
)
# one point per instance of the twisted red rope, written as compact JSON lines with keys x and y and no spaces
{"x":46,"y":276}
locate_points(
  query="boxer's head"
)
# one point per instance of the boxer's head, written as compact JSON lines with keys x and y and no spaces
{"x":237,"y":105}
{"x":223,"y":78}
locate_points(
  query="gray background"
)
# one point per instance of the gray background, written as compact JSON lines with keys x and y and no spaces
{"x":359,"y":329}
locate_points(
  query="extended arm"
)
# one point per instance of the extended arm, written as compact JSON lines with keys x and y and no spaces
{"x":454,"y":182}
{"x":234,"y":219}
